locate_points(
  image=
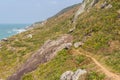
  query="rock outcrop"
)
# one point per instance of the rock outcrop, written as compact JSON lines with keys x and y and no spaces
{"x":78,"y":75}
{"x":86,"y":4}
{"x":47,"y":52}
{"x":106,"y":5}
{"x":37,"y":24}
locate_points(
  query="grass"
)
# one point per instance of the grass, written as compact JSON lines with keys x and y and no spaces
{"x":97,"y":28}
{"x":113,"y":60}
{"x":64,"y":61}
{"x":95,"y":76}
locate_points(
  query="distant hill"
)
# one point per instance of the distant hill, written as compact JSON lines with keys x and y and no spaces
{"x":66,"y":9}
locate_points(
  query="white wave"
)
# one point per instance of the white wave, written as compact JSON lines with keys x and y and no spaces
{"x":9,"y":32}
{"x":19,"y":30}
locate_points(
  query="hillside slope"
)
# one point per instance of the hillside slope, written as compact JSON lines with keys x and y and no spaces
{"x":18,"y":48}
{"x":97,"y":26}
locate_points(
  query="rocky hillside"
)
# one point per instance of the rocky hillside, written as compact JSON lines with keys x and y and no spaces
{"x":84,"y":38}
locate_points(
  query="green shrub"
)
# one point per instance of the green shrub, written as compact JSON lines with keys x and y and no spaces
{"x":95,"y":76}
{"x":79,"y":59}
{"x":113,"y":60}
{"x":28,"y":77}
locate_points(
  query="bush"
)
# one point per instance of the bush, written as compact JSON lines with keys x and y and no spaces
{"x":95,"y":76}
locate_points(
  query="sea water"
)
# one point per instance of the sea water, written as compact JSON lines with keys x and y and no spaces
{"x":7,"y":30}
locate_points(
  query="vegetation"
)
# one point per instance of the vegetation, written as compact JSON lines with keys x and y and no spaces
{"x":114,"y":61}
{"x":64,"y":61}
{"x":98,"y":28}
{"x":95,"y":76}
{"x":19,"y":48}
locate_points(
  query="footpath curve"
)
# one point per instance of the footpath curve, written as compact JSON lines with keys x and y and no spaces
{"x":109,"y":74}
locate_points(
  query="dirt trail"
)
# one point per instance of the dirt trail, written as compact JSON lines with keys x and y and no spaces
{"x":109,"y":74}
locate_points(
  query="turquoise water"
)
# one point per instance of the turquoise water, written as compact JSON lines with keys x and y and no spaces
{"x":7,"y":30}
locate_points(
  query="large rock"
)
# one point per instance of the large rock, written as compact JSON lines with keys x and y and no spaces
{"x":78,"y":75}
{"x":109,"y":6}
{"x":104,"y":5}
{"x":29,"y":36}
{"x":4,"y":40}
{"x":47,"y":52}
{"x":37,"y":24}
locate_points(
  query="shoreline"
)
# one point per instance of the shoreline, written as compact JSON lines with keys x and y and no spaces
{"x":14,"y":31}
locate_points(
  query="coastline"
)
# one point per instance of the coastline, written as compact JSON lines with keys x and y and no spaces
{"x":8,"y":30}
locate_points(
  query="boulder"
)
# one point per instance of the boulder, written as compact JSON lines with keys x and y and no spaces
{"x":29,"y":36}
{"x":67,"y":75}
{"x":68,"y":45}
{"x":4,"y":40}
{"x":80,"y":75}
{"x":78,"y":44}
{"x":104,"y":5}
{"x":109,"y":6}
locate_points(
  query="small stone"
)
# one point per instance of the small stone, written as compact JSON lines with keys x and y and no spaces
{"x":68,"y":45}
{"x":71,"y":30}
{"x":118,"y":11}
{"x":0,"y":46}
{"x":78,"y":44}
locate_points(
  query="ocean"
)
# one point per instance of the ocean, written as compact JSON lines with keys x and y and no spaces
{"x":7,"y":30}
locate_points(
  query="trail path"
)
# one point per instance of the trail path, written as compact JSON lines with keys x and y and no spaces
{"x":109,"y":74}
